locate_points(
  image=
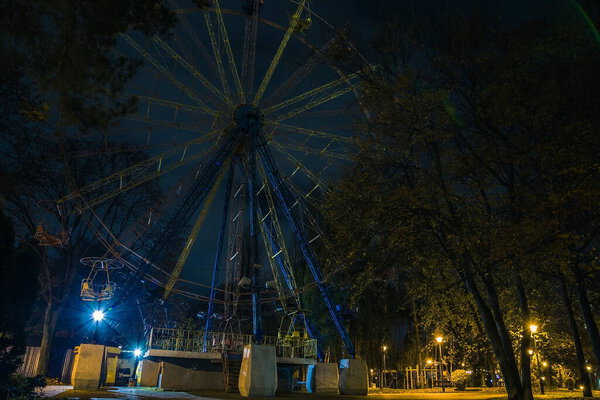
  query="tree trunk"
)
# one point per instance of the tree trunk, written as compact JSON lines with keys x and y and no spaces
{"x":585,"y":377}
{"x":526,"y":341}
{"x":48,"y":330}
{"x":586,"y":312}
{"x":418,"y":343}
{"x":506,"y":359}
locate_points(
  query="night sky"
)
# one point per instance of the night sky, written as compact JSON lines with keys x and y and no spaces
{"x":360,"y":16}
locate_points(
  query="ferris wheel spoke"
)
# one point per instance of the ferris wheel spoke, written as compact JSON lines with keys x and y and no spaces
{"x":167,"y":103}
{"x":309,"y":132}
{"x":300,"y":166}
{"x":136,"y":175}
{"x":205,"y":109}
{"x":196,"y":40}
{"x":324,"y":152}
{"x":189,"y":243}
{"x":195,"y":73}
{"x":217,"y":53}
{"x":298,"y":75}
{"x":286,"y":38}
{"x":249,"y":53}
{"x":272,"y":254}
{"x":312,"y":104}
{"x":167,"y":124}
{"x":228,"y":52}
{"x":275,"y":244}
{"x":313,"y":92}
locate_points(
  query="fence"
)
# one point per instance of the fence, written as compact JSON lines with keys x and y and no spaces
{"x":30,"y":362}
{"x":188,"y":340}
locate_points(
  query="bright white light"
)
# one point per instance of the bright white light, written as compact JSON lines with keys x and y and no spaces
{"x":137,"y":352}
{"x":98,"y":315}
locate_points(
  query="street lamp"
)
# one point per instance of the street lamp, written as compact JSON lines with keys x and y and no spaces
{"x":440,"y":339}
{"x":384,"y":348}
{"x":534,"y":329}
{"x":98,"y":315}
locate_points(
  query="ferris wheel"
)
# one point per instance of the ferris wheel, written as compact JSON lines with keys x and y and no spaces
{"x":245,"y":122}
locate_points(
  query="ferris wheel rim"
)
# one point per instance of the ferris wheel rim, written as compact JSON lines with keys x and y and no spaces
{"x":272,"y":24}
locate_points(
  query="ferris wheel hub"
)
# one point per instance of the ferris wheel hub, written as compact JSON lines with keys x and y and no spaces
{"x":248,"y":116}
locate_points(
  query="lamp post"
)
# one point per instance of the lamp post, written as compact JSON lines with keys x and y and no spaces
{"x":533,"y":329}
{"x":440,"y":339}
{"x":384,"y":348}
{"x":97,"y":317}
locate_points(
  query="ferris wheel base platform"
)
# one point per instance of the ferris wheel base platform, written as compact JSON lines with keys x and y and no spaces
{"x":215,"y":357}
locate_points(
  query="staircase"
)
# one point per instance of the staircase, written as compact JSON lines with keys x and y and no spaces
{"x":232,"y":362}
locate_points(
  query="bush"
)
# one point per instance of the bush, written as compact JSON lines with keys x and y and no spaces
{"x":460,"y":379}
{"x":569,"y":383}
{"x":21,"y":388}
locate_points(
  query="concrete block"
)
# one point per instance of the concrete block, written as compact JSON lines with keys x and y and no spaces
{"x":89,"y":367}
{"x":111,"y":357}
{"x":354,"y":379}
{"x":148,"y":373}
{"x":323,"y":378}
{"x":174,"y":377}
{"x":258,"y":373}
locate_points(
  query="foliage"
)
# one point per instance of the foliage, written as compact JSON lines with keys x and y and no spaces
{"x":569,"y":383}
{"x":66,"y":49}
{"x":63,"y":76}
{"x":477,"y":169}
{"x":460,"y":379}
{"x":19,"y":268}
{"x":21,"y":387}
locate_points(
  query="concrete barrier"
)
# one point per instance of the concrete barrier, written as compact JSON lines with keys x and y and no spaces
{"x":323,"y":378}
{"x":353,"y":377}
{"x":148,"y":373}
{"x":111,"y":357}
{"x":258,"y":373}
{"x":174,"y":377}
{"x":89,"y":367}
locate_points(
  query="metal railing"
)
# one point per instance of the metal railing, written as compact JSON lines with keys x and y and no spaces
{"x":219,"y":342}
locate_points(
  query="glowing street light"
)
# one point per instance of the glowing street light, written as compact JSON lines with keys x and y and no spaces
{"x":384,"y":348}
{"x":530,"y":351}
{"x":440,"y":339}
{"x":98,"y":315}
{"x":544,"y":364}
{"x":429,"y":361}
{"x":534,"y":328}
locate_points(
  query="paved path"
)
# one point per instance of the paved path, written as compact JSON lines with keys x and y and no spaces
{"x":53,"y":390}
{"x":159,"y":394}
{"x":133,"y":393}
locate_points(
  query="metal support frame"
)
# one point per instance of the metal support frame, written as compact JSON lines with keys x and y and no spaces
{"x":257,"y":332}
{"x":313,"y":332}
{"x":193,"y":198}
{"x":286,"y":199}
{"x":218,"y":255}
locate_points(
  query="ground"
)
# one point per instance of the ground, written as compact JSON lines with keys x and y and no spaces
{"x":66,"y":392}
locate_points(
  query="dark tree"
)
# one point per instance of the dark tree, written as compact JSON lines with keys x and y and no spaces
{"x":19,"y":268}
{"x":478,"y":160}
